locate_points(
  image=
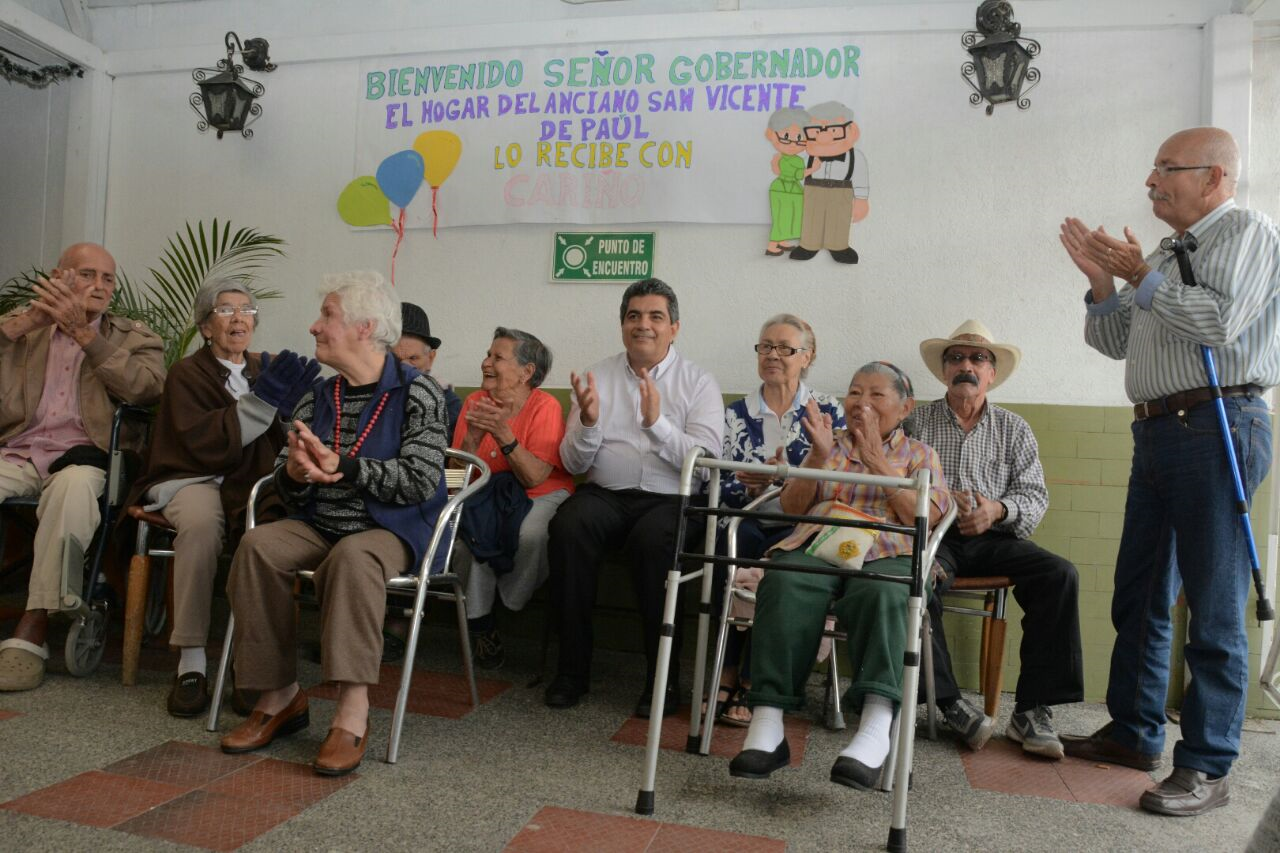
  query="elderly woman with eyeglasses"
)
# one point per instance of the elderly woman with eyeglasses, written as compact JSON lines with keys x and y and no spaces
{"x":217,"y":431}
{"x":516,"y":428}
{"x":791,"y":606}
{"x":765,"y":426}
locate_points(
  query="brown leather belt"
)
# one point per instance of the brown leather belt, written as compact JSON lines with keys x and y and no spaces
{"x":1176,"y":404}
{"x":828,"y":183}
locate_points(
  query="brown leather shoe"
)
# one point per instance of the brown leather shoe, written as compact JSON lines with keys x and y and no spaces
{"x":1186,"y":793}
{"x":260,"y":729}
{"x":189,"y":695}
{"x":1100,"y":747}
{"x":341,"y":752}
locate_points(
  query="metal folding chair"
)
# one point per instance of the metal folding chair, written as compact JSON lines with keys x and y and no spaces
{"x":919,"y":530}
{"x":82,"y":573}
{"x":462,"y":483}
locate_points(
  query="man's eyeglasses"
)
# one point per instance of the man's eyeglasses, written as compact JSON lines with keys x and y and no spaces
{"x":781,"y":349}
{"x":838,"y":131}
{"x":225,"y":311}
{"x":1166,"y":171}
{"x":962,"y":357}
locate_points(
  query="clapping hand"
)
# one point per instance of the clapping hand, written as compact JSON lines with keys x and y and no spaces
{"x":487,"y":415}
{"x":284,"y":379}
{"x":869,"y":444}
{"x":976,"y":512}
{"x":584,"y":390}
{"x":60,"y":301}
{"x":757,"y":483}
{"x":309,"y":460}
{"x":817,"y":425}
{"x":650,"y":400}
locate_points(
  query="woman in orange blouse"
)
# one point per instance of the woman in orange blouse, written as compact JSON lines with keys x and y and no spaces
{"x":513,"y":426}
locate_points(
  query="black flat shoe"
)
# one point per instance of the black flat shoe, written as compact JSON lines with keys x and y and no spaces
{"x":854,"y":774}
{"x":564,"y":691}
{"x":758,"y":764}
{"x":799,"y":253}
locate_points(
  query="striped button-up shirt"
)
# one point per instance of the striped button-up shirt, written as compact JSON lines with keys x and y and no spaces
{"x":1159,"y":326}
{"x":998,"y":458}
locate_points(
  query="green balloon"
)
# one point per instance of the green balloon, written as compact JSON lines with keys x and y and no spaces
{"x":362,"y":203}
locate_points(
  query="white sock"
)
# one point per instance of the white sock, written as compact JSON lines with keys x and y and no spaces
{"x":766,"y":730}
{"x":192,"y":660}
{"x":871,"y":743}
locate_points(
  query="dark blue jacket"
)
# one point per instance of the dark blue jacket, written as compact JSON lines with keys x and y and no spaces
{"x":491,"y":521}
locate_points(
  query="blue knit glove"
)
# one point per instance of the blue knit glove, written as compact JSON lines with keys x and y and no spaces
{"x":284,"y":379}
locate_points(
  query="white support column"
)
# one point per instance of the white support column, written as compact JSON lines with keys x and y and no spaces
{"x":1227,"y":86}
{"x":84,"y":198}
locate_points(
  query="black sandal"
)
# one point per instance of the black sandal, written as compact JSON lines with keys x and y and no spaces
{"x":727,"y":692}
{"x":737,"y":699}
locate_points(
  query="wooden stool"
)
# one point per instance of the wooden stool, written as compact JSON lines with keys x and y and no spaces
{"x":994,"y":592}
{"x":138,"y":587}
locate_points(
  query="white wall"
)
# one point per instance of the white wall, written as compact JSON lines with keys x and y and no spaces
{"x":965,"y":210}
{"x":31,"y":178}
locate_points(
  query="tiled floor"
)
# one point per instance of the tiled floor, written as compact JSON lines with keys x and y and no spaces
{"x":184,"y":793}
{"x":554,"y":829}
{"x":1002,"y":766}
{"x":726,"y":741}
{"x":436,"y":694}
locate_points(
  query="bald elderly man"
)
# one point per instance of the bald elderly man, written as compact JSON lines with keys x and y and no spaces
{"x":1181,"y":520}
{"x":65,"y":364}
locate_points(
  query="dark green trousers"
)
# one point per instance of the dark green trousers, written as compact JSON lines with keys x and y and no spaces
{"x":791,"y":608}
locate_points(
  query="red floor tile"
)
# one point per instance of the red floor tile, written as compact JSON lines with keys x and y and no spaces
{"x":555,"y":830}
{"x":673,"y":838}
{"x":436,"y":694}
{"x":726,"y":741}
{"x":96,"y":799}
{"x":282,"y":783}
{"x":1003,"y":767}
{"x":8,"y":715}
{"x":209,"y":820}
{"x":183,"y":764}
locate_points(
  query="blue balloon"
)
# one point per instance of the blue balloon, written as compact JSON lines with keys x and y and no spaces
{"x":400,"y":175}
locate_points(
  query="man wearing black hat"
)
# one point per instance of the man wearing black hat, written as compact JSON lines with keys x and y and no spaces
{"x":418,"y":347}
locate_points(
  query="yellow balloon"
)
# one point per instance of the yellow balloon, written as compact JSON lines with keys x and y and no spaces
{"x":440,"y":151}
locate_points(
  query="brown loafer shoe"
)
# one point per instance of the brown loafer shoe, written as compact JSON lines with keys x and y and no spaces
{"x":1186,"y":793}
{"x":1100,"y":747}
{"x":189,"y":695}
{"x":341,"y":752}
{"x":260,"y":729}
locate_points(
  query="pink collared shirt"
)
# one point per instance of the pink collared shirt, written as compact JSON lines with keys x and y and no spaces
{"x":57,"y":426}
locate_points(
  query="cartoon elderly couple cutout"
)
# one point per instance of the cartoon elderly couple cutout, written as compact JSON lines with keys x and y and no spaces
{"x":815,"y":200}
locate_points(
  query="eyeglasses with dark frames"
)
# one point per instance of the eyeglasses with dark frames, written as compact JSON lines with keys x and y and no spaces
{"x":974,"y":357}
{"x":838,"y":131}
{"x":781,"y":349}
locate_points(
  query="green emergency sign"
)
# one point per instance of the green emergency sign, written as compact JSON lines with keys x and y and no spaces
{"x":602,"y":256}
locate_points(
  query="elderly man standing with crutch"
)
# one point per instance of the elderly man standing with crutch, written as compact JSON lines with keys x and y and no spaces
{"x":1182,"y":520}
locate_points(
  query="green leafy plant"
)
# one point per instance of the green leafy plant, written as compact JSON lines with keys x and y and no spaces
{"x":164,"y":303}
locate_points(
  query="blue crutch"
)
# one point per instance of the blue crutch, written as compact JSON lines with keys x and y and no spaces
{"x":1182,"y":248}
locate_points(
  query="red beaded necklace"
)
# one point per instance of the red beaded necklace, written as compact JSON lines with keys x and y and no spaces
{"x":337,"y":420}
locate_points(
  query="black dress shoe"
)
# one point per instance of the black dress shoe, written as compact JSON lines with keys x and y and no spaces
{"x":1186,"y":793}
{"x":670,"y":705}
{"x":1102,"y":748}
{"x":758,"y":764}
{"x":800,"y":253}
{"x":564,"y":691}
{"x":852,"y":773}
{"x":189,"y":695}
{"x":845,"y":256}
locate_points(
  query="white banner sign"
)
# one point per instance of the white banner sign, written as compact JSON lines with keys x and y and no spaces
{"x":644,"y":132}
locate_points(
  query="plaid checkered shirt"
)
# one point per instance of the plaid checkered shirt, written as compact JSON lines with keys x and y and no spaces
{"x":999,"y":458}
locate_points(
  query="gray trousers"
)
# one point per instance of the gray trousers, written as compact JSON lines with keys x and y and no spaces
{"x":530,"y":570}
{"x":350,"y":579}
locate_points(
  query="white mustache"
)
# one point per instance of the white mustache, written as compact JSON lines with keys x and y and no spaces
{"x":1155,"y":196}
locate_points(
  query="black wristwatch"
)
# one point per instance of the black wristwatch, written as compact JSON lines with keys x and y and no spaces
{"x":508,"y":449}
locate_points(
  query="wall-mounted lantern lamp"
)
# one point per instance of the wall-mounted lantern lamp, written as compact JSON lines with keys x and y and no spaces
{"x":225,"y":101}
{"x":1001,"y":60}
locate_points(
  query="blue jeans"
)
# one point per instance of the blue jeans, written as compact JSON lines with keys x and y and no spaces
{"x":1181,"y":524}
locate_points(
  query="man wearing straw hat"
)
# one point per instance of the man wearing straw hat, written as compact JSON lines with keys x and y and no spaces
{"x":992,"y":463}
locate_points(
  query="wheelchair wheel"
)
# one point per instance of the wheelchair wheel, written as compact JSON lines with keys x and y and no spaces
{"x":85,"y":643}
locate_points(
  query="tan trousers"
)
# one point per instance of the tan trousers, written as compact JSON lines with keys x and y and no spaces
{"x":350,"y":581}
{"x":827,"y":215}
{"x":68,"y":508}
{"x":196,"y":514}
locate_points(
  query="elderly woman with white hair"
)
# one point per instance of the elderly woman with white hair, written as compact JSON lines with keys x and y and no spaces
{"x":217,"y":431}
{"x":363,"y":474}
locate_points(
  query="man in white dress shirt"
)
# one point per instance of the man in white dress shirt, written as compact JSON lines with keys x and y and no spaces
{"x":633,"y":418}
